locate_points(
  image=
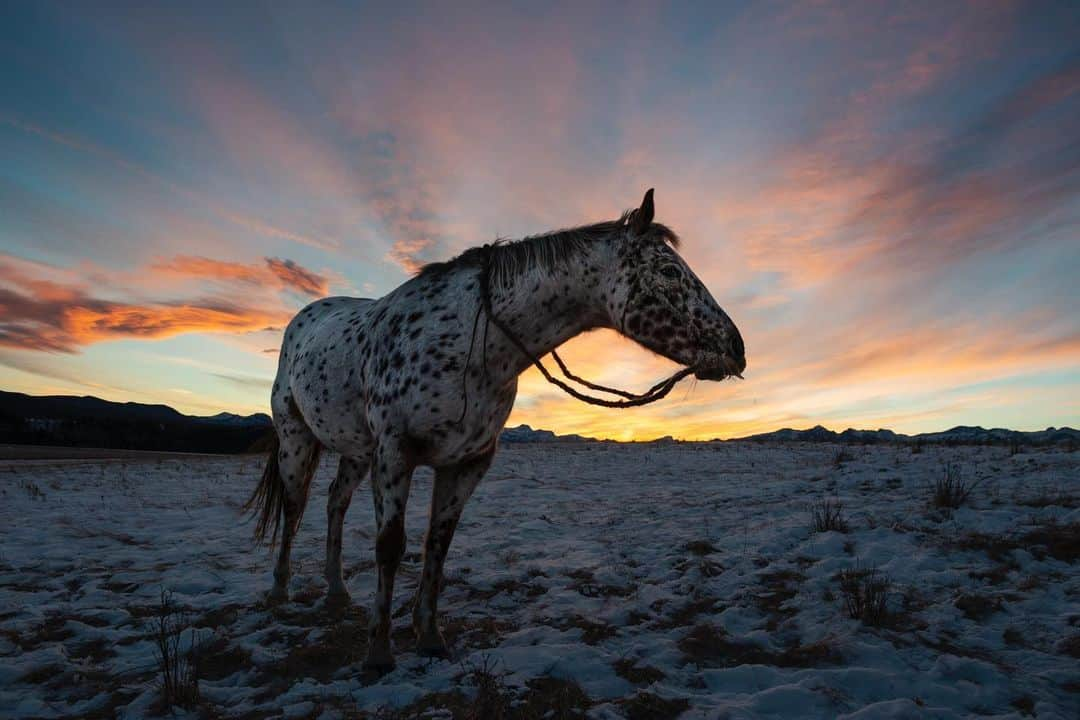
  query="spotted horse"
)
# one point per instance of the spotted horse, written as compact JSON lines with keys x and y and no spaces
{"x":427,"y":375}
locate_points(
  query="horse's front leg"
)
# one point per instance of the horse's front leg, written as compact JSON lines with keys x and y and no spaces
{"x":391,"y":475}
{"x":453,"y":486}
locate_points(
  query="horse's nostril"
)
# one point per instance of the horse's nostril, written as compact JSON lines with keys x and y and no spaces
{"x":737,"y":347}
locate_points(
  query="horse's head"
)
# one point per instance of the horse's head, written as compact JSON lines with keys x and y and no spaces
{"x":658,"y":301}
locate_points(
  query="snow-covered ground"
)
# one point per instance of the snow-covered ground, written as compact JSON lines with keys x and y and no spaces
{"x":620,"y":581}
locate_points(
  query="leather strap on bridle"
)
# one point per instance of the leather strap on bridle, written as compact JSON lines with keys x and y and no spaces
{"x":656,"y":392}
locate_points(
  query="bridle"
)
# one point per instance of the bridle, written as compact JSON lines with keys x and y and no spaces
{"x":656,"y":392}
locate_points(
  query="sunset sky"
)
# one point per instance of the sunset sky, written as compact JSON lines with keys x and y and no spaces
{"x":885,"y":197}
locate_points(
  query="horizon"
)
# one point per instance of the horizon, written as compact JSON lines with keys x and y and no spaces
{"x":886,"y":200}
{"x":531,"y":428}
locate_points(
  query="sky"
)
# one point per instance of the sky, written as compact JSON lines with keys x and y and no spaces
{"x":885,"y":197}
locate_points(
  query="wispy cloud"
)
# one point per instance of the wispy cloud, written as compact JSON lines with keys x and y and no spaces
{"x":38,"y":313}
{"x":278,"y":273}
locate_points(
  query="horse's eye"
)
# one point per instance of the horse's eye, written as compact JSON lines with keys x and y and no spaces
{"x":670,"y":271}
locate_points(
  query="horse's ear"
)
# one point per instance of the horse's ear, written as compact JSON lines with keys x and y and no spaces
{"x":642,"y":218}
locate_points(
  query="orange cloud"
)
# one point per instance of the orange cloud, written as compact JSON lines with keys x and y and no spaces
{"x":406,"y":253}
{"x":35,"y":324}
{"x":278,"y":273}
{"x":43,"y":314}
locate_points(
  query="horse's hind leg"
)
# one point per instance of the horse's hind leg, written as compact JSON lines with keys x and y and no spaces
{"x":453,"y":486}
{"x":351,"y":471}
{"x":298,"y":458}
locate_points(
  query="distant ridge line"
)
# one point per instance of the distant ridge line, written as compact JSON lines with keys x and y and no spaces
{"x":88,"y":421}
{"x":959,"y":435}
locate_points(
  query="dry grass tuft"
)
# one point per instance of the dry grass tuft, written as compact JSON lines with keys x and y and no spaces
{"x":865,"y":592}
{"x":951,"y":490}
{"x":827,"y":515}
{"x":178,"y":669}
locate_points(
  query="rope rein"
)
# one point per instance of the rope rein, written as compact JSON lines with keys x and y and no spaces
{"x":656,"y":392}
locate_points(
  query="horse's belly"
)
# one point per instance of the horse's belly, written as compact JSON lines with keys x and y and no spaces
{"x":476,"y":435}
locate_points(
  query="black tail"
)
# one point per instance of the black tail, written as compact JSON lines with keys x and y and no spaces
{"x":267,"y":501}
{"x":269,"y":498}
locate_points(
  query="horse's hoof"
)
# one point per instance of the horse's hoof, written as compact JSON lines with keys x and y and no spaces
{"x":277,"y":595}
{"x":379,"y":668}
{"x":432,"y":645}
{"x":439,"y":651}
{"x":338,"y":600}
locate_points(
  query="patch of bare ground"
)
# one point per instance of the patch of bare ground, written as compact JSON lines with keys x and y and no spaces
{"x":1050,"y":498}
{"x":944,"y":644}
{"x":220,"y":617}
{"x":53,"y":629}
{"x":996,"y":575}
{"x":700,"y":547}
{"x":647,"y":706}
{"x":687,"y":613}
{"x":219,"y":659}
{"x":978,"y":607}
{"x":483,"y":695}
{"x":509,"y":586}
{"x":630,"y":671}
{"x":1060,"y":541}
{"x":550,"y":697}
{"x":780,"y":586}
{"x":120,"y":588}
{"x":1070,"y":646}
{"x":592,"y":632}
{"x":709,"y":646}
{"x":76,"y":684}
{"x":96,"y":651}
{"x":42,"y":675}
{"x":1013,"y":636}
{"x":474,"y":633}
{"x":110,"y":709}
{"x":587,"y":585}
{"x":706,"y":566}
{"x":311,"y":612}
{"x":320,"y":654}
{"x":1025,"y":704}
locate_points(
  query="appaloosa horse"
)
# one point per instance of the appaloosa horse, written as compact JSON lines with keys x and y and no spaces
{"x":427,"y":375}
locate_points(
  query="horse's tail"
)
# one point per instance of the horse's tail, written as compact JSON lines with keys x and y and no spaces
{"x":267,"y":501}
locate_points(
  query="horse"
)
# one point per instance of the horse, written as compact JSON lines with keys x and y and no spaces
{"x":427,"y":375}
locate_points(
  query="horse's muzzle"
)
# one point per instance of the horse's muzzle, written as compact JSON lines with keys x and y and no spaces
{"x":728,"y":367}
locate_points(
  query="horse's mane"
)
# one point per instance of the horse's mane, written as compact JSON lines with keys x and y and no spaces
{"x":547,"y":252}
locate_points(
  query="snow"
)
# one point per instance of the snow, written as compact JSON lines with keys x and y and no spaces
{"x":695,"y":563}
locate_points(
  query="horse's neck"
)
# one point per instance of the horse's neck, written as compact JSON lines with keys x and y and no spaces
{"x":545,"y":309}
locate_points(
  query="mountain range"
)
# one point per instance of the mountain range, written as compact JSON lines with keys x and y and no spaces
{"x":92,"y":422}
{"x":959,"y":435}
